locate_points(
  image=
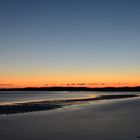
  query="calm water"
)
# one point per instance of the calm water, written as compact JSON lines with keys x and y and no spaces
{"x":115,"y":120}
{"x":8,"y":97}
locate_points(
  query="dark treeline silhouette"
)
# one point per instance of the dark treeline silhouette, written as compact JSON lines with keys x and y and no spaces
{"x":109,"y":89}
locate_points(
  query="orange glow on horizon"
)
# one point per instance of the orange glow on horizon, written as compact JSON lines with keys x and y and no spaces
{"x":74,"y":84}
{"x":81,"y":79}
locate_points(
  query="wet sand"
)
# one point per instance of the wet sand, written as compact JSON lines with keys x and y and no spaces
{"x":54,"y":104}
{"x":102,"y":120}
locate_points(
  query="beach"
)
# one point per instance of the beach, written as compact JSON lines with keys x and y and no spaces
{"x":26,"y":106}
{"x":108,"y":119}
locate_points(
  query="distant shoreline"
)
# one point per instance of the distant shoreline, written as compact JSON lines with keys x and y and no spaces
{"x":54,"y":104}
{"x":103,"y":89}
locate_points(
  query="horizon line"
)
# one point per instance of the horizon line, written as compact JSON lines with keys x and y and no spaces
{"x":72,"y":88}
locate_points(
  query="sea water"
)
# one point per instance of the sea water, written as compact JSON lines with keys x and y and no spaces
{"x":8,"y":97}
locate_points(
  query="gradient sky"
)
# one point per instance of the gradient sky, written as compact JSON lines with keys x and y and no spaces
{"x":92,"y":42}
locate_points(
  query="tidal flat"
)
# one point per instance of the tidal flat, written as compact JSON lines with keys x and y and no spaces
{"x":116,"y":119}
{"x":24,"y":107}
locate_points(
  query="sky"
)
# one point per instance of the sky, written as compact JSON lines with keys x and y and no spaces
{"x":69,"y":43}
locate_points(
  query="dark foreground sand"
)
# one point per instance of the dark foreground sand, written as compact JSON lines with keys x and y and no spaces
{"x":103,"y":120}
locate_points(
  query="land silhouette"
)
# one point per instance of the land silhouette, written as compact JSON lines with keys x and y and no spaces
{"x":57,"y":88}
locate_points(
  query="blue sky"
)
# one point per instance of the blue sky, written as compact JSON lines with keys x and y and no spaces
{"x":68,"y":37}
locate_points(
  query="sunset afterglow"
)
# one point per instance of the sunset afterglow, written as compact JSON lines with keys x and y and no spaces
{"x":69,"y":43}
